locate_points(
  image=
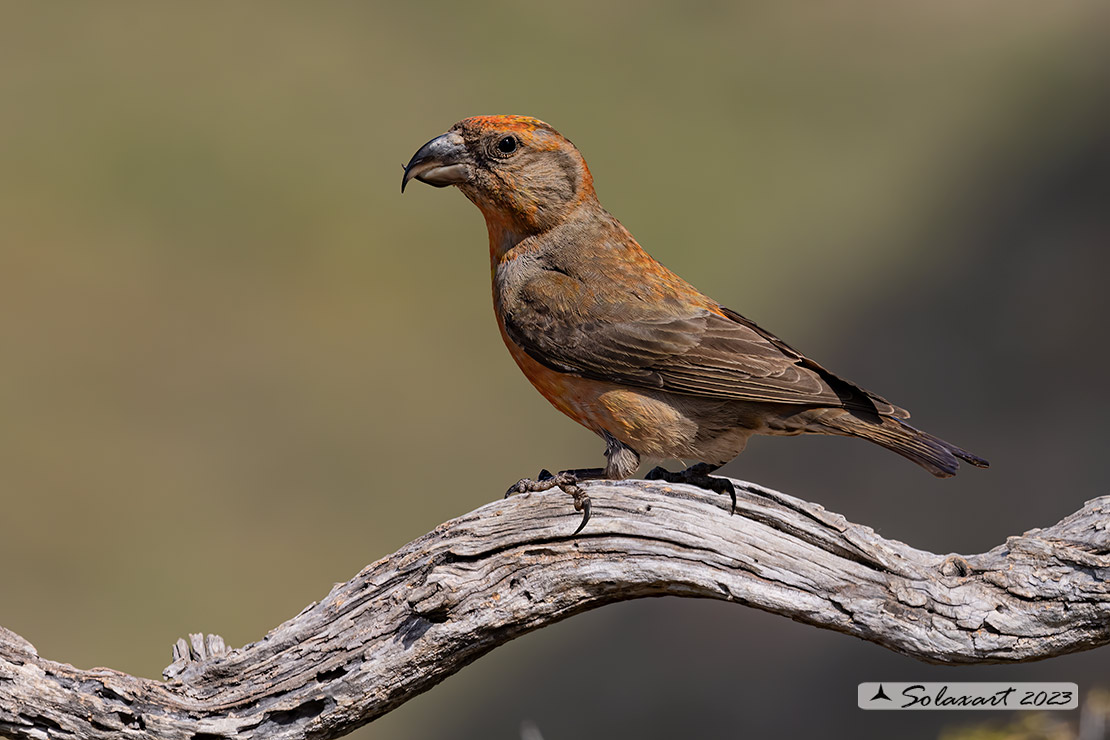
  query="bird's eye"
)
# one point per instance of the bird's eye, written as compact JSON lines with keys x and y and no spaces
{"x":507,"y":145}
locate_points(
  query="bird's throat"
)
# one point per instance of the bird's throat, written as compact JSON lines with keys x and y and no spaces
{"x":506,"y":239}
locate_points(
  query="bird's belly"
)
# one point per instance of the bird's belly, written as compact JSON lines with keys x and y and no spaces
{"x":653,"y":423}
{"x":670,"y":426}
{"x":578,"y":398}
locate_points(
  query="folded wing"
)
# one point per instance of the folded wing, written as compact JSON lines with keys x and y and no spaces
{"x":689,"y":350}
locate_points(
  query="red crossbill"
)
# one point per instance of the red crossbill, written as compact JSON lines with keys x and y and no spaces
{"x":621,"y":344}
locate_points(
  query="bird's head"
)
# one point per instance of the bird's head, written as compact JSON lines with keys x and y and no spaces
{"x":524,"y":175}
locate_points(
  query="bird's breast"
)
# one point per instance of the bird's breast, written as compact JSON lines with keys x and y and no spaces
{"x":656,"y":425}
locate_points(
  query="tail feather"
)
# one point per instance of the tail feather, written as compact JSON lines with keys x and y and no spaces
{"x":940,"y":458}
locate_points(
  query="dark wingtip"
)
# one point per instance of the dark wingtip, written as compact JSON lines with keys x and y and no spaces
{"x":973,"y":459}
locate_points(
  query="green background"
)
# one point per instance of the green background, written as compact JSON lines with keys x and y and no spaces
{"x":236,"y":365}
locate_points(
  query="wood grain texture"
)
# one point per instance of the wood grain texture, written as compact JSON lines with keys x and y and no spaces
{"x":410,"y":620}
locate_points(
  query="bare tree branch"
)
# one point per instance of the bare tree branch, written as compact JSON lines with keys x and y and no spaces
{"x":411,"y":619}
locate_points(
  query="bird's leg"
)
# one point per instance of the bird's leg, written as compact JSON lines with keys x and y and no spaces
{"x":621,"y":462}
{"x":697,"y":475}
{"x":568,"y":481}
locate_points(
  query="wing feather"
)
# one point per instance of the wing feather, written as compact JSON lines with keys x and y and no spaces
{"x":689,"y":350}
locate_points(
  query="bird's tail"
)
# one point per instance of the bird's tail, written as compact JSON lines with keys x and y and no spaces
{"x":940,"y":458}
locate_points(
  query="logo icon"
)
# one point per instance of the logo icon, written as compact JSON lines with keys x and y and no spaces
{"x":880,"y":694}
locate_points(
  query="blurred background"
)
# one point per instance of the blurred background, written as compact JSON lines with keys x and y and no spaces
{"x":237,"y":365}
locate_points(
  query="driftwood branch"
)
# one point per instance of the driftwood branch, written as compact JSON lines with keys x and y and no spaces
{"x":411,"y":619}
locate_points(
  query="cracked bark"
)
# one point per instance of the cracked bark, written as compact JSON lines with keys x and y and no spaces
{"x":413,"y":618}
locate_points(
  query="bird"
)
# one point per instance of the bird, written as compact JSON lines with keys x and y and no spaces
{"x":623,"y":345}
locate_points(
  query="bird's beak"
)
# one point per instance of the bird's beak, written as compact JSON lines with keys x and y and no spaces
{"x":441,"y":162}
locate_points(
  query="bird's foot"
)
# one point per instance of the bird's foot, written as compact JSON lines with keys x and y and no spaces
{"x":566,"y":480}
{"x":697,"y":475}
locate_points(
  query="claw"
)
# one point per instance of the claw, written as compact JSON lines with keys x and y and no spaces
{"x":582,"y":503}
{"x":566,"y":481}
{"x":730,"y":490}
{"x":696,"y":475}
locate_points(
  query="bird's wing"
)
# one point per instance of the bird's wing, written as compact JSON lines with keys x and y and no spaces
{"x":689,"y":350}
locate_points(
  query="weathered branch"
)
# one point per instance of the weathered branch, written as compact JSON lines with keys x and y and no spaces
{"x":411,"y":619}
